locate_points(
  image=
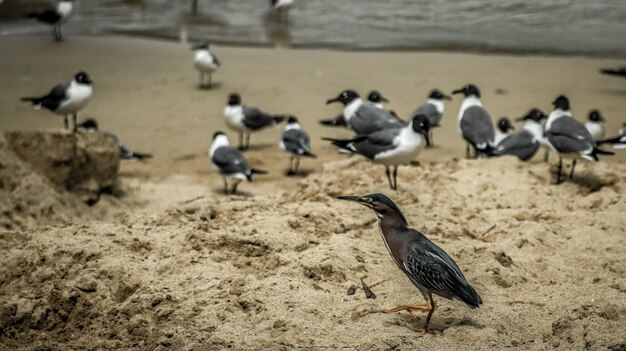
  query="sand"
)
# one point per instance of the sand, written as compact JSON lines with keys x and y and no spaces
{"x":175,"y":264}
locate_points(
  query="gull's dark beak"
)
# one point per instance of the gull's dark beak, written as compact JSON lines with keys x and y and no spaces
{"x":358,"y":199}
{"x":335,"y":122}
{"x":447,"y":97}
{"x":511,"y":127}
{"x":384,"y":99}
{"x":520,"y":119}
{"x":601,"y":118}
{"x":458,"y":91}
{"x":330,"y":101}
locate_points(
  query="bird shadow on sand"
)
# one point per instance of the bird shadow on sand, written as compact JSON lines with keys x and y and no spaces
{"x":220,"y":192}
{"x":590,"y":181}
{"x":302,"y":173}
{"x":213,"y":86}
{"x":437,"y":326}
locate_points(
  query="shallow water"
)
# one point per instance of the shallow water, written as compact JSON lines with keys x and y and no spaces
{"x":596,"y":28}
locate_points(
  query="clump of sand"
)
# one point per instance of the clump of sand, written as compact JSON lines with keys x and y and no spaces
{"x":272,"y":272}
{"x":50,"y":176}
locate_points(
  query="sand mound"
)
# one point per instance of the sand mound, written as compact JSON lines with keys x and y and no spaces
{"x":37,"y":169}
{"x":273,"y":272}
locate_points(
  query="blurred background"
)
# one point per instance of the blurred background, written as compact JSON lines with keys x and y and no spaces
{"x":579,"y":27}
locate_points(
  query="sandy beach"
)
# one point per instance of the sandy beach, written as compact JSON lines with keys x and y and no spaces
{"x":170,"y":262}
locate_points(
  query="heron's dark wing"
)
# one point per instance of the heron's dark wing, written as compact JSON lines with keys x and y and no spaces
{"x":256,"y":119}
{"x":430,"y":111}
{"x":432,"y":268}
{"x":568,"y":135}
{"x":296,"y":141}
{"x":521,"y":144}
{"x":230,"y":161}
{"x":369,"y":119}
{"x":476,"y":127}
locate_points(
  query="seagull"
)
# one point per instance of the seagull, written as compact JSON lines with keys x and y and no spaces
{"x":363,"y":117}
{"x":66,"y":99}
{"x":474,"y":122}
{"x":569,"y":138}
{"x":389,"y":147}
{"x":281,"y":9}
{"x":296,"y":143}
{"x":230,"y":163}
{"x":594,"y":125}
{"x":618,"y":142}
{"x":504,"y":125}
{"x":620,"y":71}
{"x":375,"y":97}
{"x":90,"y":125}
{"x":55,"y":16}
{"x":525,"y":142}
{"x":433,"y":109}
{"x":246,"y":120}
{"x":206,"y":63}
{"x":427,"y":266}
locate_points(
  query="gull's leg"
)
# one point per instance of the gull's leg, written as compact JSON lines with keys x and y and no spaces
{"x":432,"y":143}
{"x":225,"y":186}
{"x":395,"y":178}
{"x":66,"y":122}
{"x":290,"y":166}
{"x":210,"y":81}
{"x":247,"y":140}
{"x":235,"y":184}
{"x":546,"y":155}
{"x":388,"y":176}
{"x":571,"y":172}
{"x":467,"y":151}
{"x":241,"y":140}
{"x":297,"y":160}
{"x":75,"y":126}
{"x":558,"y":171}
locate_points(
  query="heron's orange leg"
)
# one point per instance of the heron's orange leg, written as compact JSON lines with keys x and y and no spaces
{"x":430,"y":308}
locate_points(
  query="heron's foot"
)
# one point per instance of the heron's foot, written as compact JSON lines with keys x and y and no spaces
{"x":410,"y":309}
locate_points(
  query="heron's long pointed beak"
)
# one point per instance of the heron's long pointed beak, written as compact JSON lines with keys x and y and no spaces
{"x":357,"y":199}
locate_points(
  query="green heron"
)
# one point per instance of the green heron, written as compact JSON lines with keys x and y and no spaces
{"x":428,"y":267}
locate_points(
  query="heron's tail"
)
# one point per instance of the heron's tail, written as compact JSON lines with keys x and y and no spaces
{"x":468,"y":295}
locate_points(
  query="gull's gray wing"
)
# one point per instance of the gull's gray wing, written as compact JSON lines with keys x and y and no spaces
{"x":377,"y":142}
{"x":369,"y":119}
{"x":296,"y":141}
{"x":230,"y":161}
{"x":477,"y":128}
{"x":521,"y":144}
{"x":256,"y":119}
{"x":568,"y":135}
{"x":430,"y":111}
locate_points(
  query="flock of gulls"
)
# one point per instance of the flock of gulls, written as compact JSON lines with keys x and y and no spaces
{"x":382,"y":137}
